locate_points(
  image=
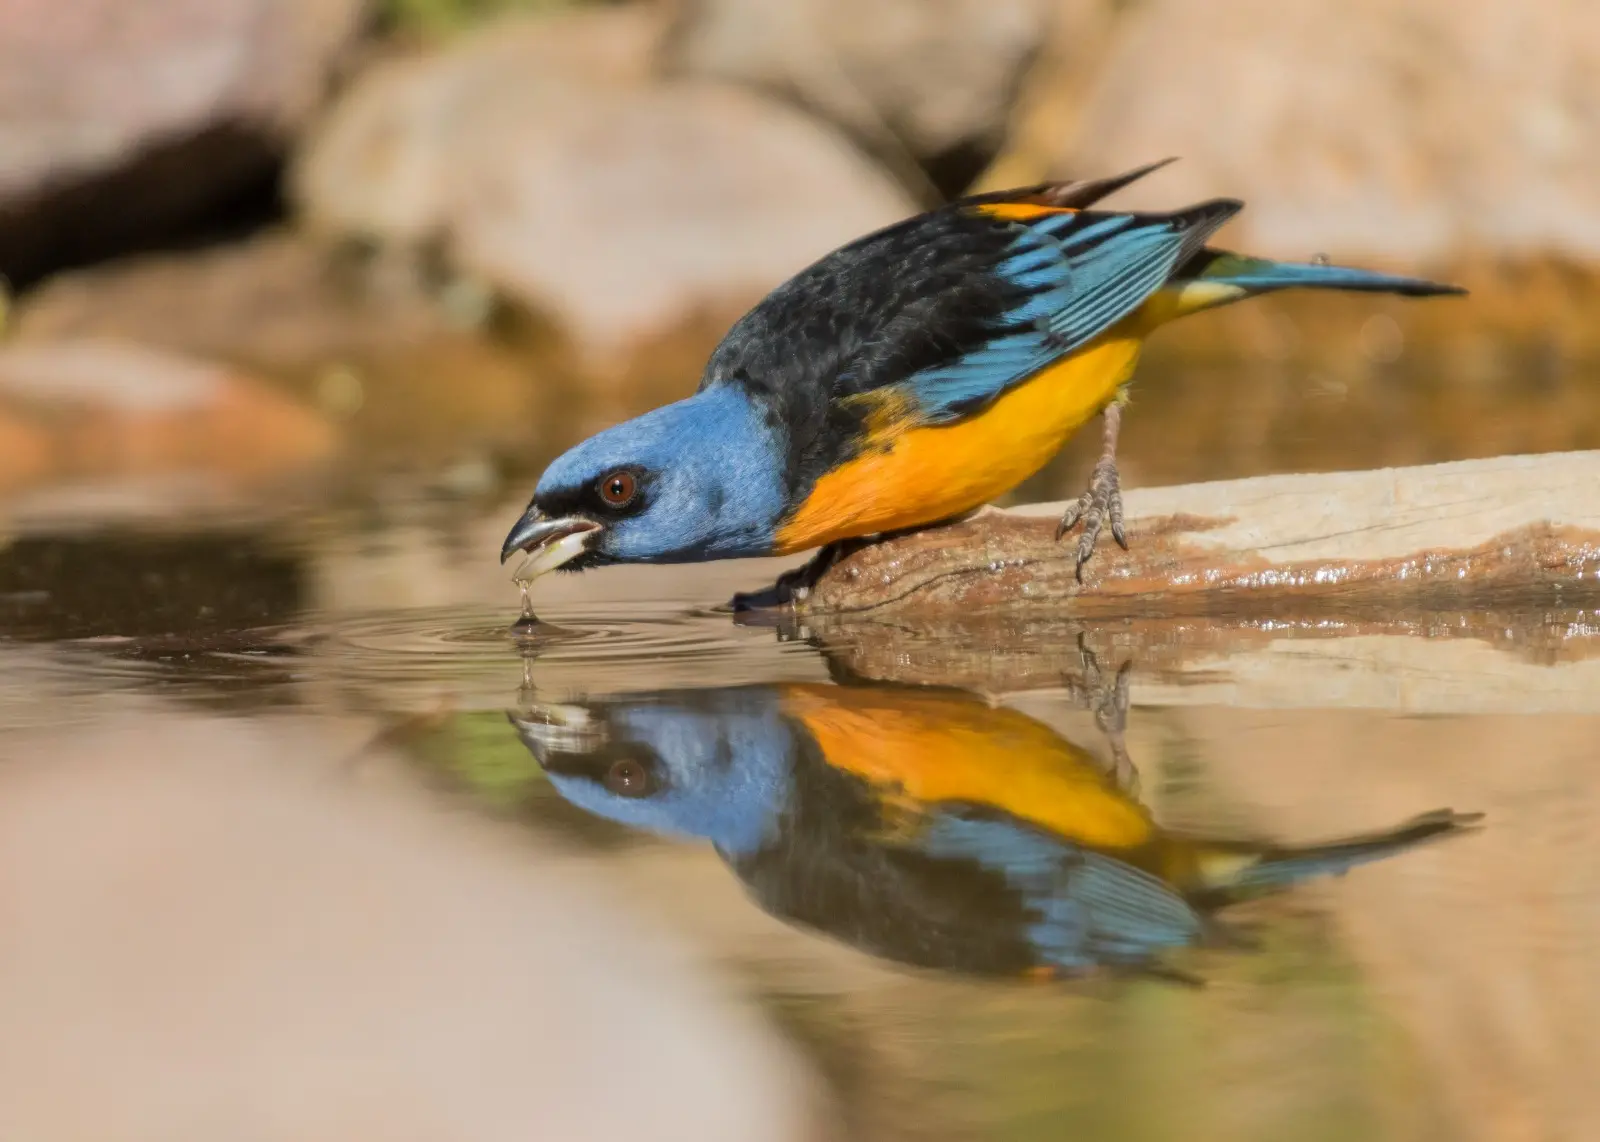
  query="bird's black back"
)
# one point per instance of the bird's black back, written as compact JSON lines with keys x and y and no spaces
{"x":913,"y":296}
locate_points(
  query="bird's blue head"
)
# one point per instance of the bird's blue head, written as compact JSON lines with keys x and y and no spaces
{"x":698,"y":479}
{"x":711,"y":765}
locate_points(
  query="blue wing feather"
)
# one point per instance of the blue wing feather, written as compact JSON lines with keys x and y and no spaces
{"x":1079,"y":274}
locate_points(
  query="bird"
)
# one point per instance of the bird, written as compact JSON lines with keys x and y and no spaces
{"x":922,"y":824}
{"x":906,"y":379}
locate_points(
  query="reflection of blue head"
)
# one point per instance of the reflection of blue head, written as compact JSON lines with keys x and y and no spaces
{"x":714,"y":766}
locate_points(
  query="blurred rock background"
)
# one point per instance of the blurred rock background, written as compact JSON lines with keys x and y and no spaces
{"x":459,"y":234}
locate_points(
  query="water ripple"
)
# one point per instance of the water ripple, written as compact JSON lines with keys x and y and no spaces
{"x":479,"y":652}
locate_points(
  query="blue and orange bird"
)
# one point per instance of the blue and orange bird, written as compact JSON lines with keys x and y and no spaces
{"x":905,"y":379}
{"x":923,"y":825}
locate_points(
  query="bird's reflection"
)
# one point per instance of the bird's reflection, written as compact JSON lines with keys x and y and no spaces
{"x":921,"y":825}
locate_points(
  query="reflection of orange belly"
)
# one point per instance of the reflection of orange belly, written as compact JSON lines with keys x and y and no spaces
{"x":909,"y":477}
{"x":924,"y":750}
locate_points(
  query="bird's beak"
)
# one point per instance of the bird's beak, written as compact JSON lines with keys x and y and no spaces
{"x":548,"y":542}
{"x":554,"y":728}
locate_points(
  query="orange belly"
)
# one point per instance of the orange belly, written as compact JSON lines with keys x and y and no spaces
{"x":910,"y":477}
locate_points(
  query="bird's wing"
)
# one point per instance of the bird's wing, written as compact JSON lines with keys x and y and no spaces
{"x":928,"y":320}
{"x":1066,"y":276}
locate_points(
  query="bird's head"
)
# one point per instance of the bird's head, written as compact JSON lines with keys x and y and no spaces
{"x":713,"y":765}
{"x":699,"y":479}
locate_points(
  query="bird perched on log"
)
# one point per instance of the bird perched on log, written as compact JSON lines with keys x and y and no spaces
{"x":906,"y":379}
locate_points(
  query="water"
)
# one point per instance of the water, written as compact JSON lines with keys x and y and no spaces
{"x":989,"y":878}
{"x":996,"y":878}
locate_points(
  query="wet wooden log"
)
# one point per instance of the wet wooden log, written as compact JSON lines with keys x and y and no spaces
{"x":1510,"y":531}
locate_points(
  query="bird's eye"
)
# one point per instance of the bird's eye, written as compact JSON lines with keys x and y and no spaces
{"x":628,"y":778}
{"x":618,"y":489}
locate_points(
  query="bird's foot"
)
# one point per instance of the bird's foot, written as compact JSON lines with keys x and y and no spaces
{"x":795,"y":586}
{"x":1099,"y":506}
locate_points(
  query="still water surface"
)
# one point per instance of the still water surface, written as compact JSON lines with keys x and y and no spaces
{"x":999,"y":879}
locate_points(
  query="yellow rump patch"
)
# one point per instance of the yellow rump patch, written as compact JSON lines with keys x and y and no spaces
{"x":1022,"y":211}
{"x":907,"y":477}
{"x":1180,"y":300}
{"x":922,"y":748}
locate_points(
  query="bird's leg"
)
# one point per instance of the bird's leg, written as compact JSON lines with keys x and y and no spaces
{"x":1111,"y":715}
{"x":1102,"y":503}
{"x":1109,"y":703}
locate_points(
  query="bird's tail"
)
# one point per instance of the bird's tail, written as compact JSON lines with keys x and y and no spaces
{"x":1262,"y":275}
{"x":1228,"y":873}
{"x":1216,"y":277}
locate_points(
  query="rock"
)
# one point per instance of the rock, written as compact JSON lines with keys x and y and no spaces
{"x":930,"y":79}
{"x":301,"y":951}
{"x":116,"y":414}
{"x":379,"y":167}
{"x":275,"y":300}
{"x":24,"y":452}
{"x":1052,"y":95}
{"x":564,"y":175}
{"x":116,"y":131}
{"x":1412,"y":130}
{"x":334,"y":332}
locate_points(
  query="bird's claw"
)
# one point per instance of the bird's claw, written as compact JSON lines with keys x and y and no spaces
{"x":1097,"y":507}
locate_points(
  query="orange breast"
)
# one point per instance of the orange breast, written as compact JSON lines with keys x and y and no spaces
{"x":909,"y":477}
